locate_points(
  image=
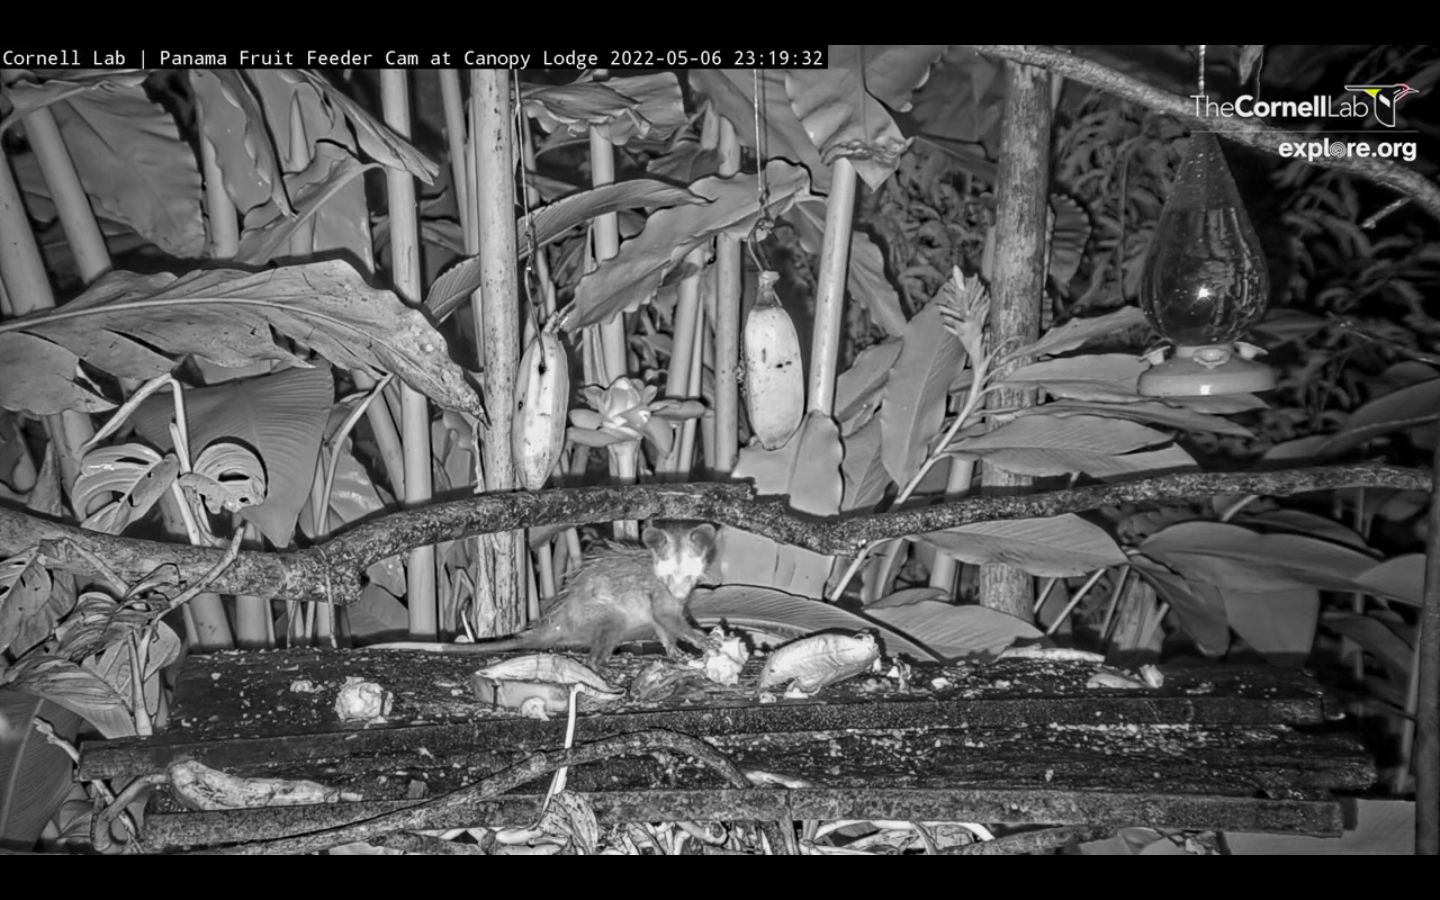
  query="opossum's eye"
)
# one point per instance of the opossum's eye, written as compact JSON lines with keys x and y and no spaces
{"x":656,"y":539}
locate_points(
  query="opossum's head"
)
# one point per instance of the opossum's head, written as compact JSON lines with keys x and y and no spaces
{"x":683,"y":554}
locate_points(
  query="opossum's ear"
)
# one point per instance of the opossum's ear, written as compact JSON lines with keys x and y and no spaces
{"x":703,"y":534}
{"x":656,"y":539}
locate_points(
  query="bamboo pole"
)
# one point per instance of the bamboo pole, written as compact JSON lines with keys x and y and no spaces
{"x":492,"y":147}
{"x":420,"y":595}
{"x":830,"y":288}
{"x":727,"y":322}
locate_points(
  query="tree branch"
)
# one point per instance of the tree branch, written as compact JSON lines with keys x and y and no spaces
{"x":1245,"y":131}
{"x":332,"y":571}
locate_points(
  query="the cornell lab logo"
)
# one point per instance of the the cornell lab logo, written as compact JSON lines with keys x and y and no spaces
{"x":1386,"y":97}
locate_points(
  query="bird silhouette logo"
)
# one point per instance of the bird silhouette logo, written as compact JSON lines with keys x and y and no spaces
{"x":1386,"y":97}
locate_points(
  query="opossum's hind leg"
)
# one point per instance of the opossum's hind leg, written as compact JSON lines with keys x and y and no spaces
{"x":608,"y":634}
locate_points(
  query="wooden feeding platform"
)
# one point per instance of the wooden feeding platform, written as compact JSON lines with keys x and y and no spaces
{"x":1015,"y":741}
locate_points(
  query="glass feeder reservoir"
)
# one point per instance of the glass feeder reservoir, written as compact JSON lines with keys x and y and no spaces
{"x":1204,"y":284}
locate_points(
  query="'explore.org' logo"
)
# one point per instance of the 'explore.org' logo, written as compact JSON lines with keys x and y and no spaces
{"x":1382,"y":101}
{"x":1386,"y":97}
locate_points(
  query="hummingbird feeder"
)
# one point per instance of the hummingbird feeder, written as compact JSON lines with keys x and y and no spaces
{"x":1204,"y":284}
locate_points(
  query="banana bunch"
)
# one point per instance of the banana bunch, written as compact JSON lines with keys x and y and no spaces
{"x":774,"y":375}
{"x":542,"y":400}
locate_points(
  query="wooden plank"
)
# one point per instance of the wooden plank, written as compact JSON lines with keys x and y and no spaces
{"x":1102,"y":809}
{"x":1273,"y":762}
{"x":237,"y":706}
{"x":1016,"y":741}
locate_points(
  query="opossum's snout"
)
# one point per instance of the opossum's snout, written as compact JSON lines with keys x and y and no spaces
{"x":681,"y":575}
{"x":681,"y":586}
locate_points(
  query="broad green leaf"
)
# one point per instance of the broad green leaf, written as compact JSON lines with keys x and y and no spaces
{"x":332,"y":115}
{"x":1300,"y":448}
{"x":866,"y":279}
{"x":97,"y":623}
{"x":454,"y":287}
{"x":732,"y":93}
{"x":1199,"y":608}
{"x":808,"y":470}
{"x":816,"y":486}
{"x":632,"y":277}
{"x":1285,"y":324}
{"x":138,"y":474}
{"x":232,"y":123}
{"x":1109,"y":377}
{"x":354,"y":496}
{"x":959,"y":108}
{"x":1153,"y":412}
{"x":685,"y":161}
{"x":1069,"y":235}
{"x":841,"y":115}
{"x":1401,"y":578}
{"x":775,"y":617}
{"x":958,"y":631}
{"x":1417,"y":404}
{"x":27,"y":591}
{"x":138,"y":326}
{"x":128,"y":152}
{"x":1042,"y":445}
{"x":863,"y":469}
{"x":1279,"y":624}
{"x":1220,"y":404}
{"x":35,"y":775}
{"x":622,"y":109}
{"x":910,"y":596}
{"x":1376,"y":638}
{"x":914,"y":406}
{"x":857,"y":390}
{"x":867,"y":282}
{"x":377,"y":614}
{"x":1086,"y":434}
{"x":1078,"y":332}
{"x":281,"y":416}
{"x":227,"y":476}
{"x":1056,"y":547}
{"x":82,"y":692}
{"x":1395,"y":506}
{"x":1041,"y":463}
{"x":45,"y":378}
{"x":1297,"y":521}
{"x":1236,"y":558}
{"x":113,"y":665}
{"x":330,"y":213}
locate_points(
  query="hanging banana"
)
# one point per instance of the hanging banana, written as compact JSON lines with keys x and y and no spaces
{"x":774,"y":375}
{"x":542,"y":400}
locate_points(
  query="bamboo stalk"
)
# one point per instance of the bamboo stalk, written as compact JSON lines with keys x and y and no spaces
{"x":415,"y":408}
{"x":455,"y":140}
{"x":685,"y":347}
{"x":28,"y":286}
{"x":830,"y":288}
{"x":687,"y":428}
{"x":727,"y":324}
{"x":613,"y":361}
{"x":607,"y":246}
{"x":492,"y":147}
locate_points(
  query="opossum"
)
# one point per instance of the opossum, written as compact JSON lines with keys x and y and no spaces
{"x":622,"y":592}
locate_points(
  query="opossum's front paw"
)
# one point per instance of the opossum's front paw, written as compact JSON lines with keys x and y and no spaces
{"x":701,"y":641}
